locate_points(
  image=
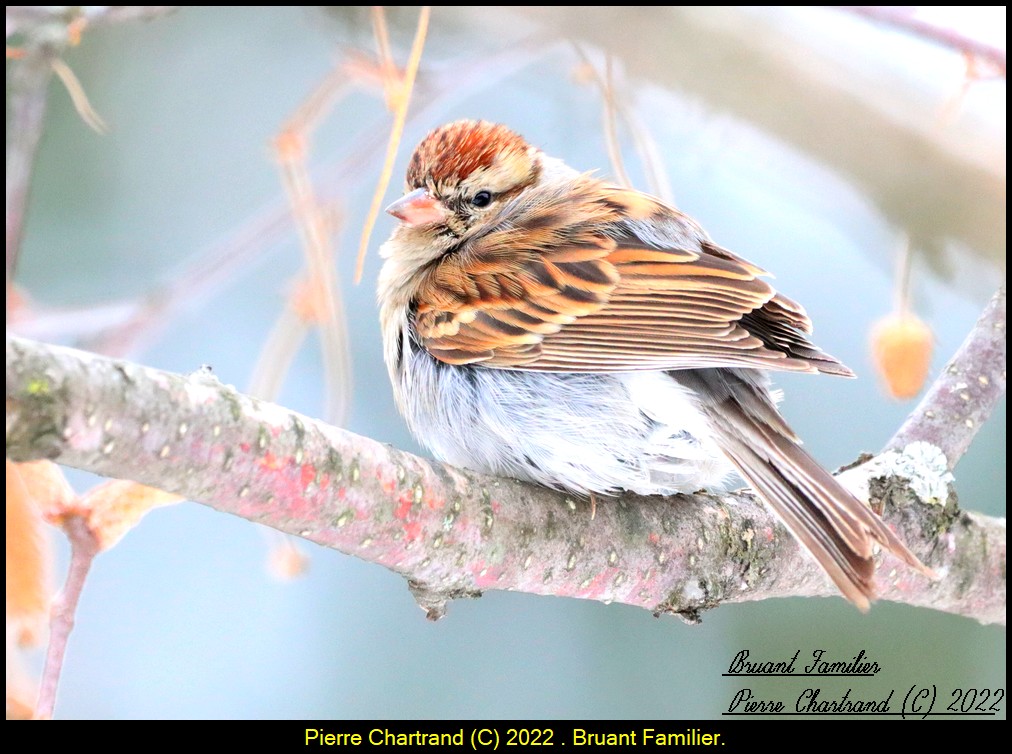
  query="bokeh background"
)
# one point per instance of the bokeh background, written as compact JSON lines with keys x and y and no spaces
{"x":806,"y":140}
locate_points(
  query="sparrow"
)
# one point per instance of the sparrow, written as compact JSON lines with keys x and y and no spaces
{"x":545,"y":324}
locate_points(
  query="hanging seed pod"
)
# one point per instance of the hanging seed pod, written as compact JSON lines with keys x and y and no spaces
{"x":901,"y":347}
{"x":285,"y":561}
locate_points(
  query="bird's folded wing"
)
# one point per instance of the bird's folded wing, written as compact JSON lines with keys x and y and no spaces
{"x":565,"y":289}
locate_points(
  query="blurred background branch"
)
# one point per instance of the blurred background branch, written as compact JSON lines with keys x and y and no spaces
{"x":46,"y":32}
{"x":904,"y":18}
{"x":758,"y":70}
{"x":969,"y":388}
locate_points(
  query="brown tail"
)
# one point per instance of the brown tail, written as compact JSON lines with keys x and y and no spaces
{"x":833,"y":525}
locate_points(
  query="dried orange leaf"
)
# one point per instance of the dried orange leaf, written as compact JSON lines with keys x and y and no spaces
{"x":49,"y":489}
{"x":901,"y":348}
{"x":30,"y":486}
{"x":115,"y":507}
{"x":20,"y":705}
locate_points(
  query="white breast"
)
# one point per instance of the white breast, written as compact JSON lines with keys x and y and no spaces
{"x":598,"y":433}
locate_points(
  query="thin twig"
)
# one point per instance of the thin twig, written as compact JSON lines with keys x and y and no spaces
{"x":387,"y":65}
{"x":610,"y":127}
{"x":609,"y":112}
{"x":323,"y":288}
{"x":277,"y":354}
{"x":100,"y":14}
{"x":334,"y":87}
{"x":643,"y":141}
{"x":84,"y":548}
{"x":650,"y":156}
{"x":382,"y":36}
{"x":400,"y":116}
{"x":943,"y":35}
{"x":904,"y":267}
{"x":79,"y":97}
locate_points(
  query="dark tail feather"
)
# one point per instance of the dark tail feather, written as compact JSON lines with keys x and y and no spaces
{"x":833,"y":525}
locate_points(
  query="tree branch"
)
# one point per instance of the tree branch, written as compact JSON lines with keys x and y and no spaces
{"x":27,"y":89}
{"x":903,"y":19}
{"x":964,"y":395}
{"x":452,"y":532}
{"x":27,"y":18}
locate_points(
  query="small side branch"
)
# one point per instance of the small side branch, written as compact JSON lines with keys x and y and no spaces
{"x":964,"y":395}
{"x":84,"y":548}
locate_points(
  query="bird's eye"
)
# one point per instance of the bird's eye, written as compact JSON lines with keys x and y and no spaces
{"x":482,"y":199}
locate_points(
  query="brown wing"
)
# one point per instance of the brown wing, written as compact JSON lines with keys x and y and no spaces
{"x":560,"y":283}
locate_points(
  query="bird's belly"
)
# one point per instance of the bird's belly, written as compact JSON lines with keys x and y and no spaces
{"x":598,"y":433}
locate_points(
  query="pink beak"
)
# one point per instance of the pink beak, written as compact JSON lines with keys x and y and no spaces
{"x":418,"y":208}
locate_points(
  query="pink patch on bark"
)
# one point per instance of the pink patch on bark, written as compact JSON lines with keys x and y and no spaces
{"x":484,"y":577}
{"x":598,"y":585}
{"x":307,"y":474}
{"x":402,"y":510}
{"x":412,"y":530}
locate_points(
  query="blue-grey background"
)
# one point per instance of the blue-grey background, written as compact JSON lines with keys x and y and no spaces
{"x":804,"y":140}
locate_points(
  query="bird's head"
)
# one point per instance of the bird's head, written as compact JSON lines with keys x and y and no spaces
{"x":459,"y":175}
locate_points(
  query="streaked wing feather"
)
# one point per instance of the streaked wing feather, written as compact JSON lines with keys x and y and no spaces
{"x":570,"y":287}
